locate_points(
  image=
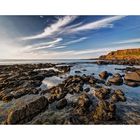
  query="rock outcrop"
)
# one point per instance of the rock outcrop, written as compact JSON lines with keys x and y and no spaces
{"x":27,"y":112}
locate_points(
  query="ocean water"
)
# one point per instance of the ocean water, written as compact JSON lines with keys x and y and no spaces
{"x":36,"y":61}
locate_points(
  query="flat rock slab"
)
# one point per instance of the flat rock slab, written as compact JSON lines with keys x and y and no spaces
{"x":133,"y":76}
{"x":20,"y":109}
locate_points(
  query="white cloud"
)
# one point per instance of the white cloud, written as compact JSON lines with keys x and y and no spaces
{"x":135,"y":40}
{"x":75,"y":41}
{"x":60,"y":47}
{"x":52,"y":29}
{"x":88,"y":51}
{"x":106,"y":22}
{"x":42,"y":45}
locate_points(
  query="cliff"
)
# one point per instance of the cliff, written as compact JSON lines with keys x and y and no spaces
{"x":126,"y":54}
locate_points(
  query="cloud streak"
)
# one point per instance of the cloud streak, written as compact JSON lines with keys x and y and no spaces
{"x":75,"y":41}
{"x":135,"y":40}
{"x":52,"y":29}
{"x":106,"y":22}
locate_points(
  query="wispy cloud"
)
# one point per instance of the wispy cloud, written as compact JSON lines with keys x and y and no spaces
{"x":134,"y":40}
{"x":60,"y":47}
{"x":106,"y":22}
{"x":89,"y":51}
{"x":53,"y":28}
{"x":75,"y":41}
{"x":42,"y":45}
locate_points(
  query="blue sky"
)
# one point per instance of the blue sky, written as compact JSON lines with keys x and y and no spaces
{"x":66,"y":37}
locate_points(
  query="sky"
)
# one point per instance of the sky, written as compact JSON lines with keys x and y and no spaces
{"x":66,"y":37}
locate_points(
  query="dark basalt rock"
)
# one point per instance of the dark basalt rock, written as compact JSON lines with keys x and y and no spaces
{"x":61,"y":104}
{"x":102,"y":93}
{"x":23,"y":91}
{"x":7,"y":98}
{"x":63,"y":69}
{"x":118,"y":96}
{"x":104,"y":111}
{"x":87,"y":89}
{"x":116,"y":79}
{"x":83,"y":104}
{"x":104,"y":74}
{"x":77,"y":71}
{"x":27,"y":112}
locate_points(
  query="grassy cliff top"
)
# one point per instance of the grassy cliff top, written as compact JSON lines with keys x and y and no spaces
{"x":127,"y":54}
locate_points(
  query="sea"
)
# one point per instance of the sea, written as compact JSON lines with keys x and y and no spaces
{"x":36,"y":61}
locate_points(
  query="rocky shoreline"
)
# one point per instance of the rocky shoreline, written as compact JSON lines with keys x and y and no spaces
{"x":78,"y":99}
{"x":118,"y":62}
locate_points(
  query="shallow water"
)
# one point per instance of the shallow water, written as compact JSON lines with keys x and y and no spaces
{"x":129,"y":109}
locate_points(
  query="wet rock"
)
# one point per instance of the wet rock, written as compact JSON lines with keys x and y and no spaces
{"x":133,"y":76}
{"x":99,"y":81}
{"x":83,"y":104}
{"x":2,"y":94}
{"x":118,"y":96}
{"x":23,"y":91}
{"x":84,"y":70}
{"x":77,"y":71}
{"x":72,"y":119}
{"x":84,"y":101}
{"x":60,"y":96}
{"x":116,"y":79}
{"x":87,"y":89}
{"x":108,"y":83}
{"x":27,"y":112}
{"x":104,"y":74}
{"x":92,"y":80}
{"x":102,"y":93}
{"x":51,"y":99}
{"x":7,"y":98}
{"x":131,"y":83}
{"x":102,"y":62}
{"x":104,"y":111}
{"x":63,"y":69}
{"x":61,"y":104}
{"x":78,"y":88}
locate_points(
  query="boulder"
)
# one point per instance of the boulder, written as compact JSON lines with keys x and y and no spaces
{"x":23,"y":91}
{"x":77,"y":71}
{"x":27,"y":112}
{"x":133,"y":76}
{"x":102,"y":93}
{"x":116,"y":79}
{"x":104,"y":74}
{"x":82,"y":105}
{"x":87,"y":89}
{"x":7,"y":98}
{"x":118,"y":96}
{"x":83,"y":101}
{"x":104,"y":111}
{"x":61,"y":104}
{"x":131,"y":83}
